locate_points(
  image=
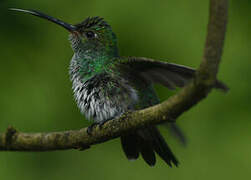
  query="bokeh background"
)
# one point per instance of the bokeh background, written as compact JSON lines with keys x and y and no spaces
{"x":35,"y":92}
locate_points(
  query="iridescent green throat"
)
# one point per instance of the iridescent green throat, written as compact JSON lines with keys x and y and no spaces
{"x":92,"y":61}
{"x":91,"y":67}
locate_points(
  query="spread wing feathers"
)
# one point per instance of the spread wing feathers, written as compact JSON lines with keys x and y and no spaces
{"x":168,"y":74}
{"x":147,"y":141}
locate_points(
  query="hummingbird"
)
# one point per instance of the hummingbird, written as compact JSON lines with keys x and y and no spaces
{"x":106,"y":85}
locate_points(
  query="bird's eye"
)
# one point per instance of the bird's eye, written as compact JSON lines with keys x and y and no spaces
{"x":90,"y":34}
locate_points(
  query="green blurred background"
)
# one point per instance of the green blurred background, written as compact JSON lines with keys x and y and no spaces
{"x":35,"y":93}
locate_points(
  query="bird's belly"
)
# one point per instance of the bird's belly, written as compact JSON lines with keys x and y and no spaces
{"x":97,"y":107}
{"x":103,"y":98}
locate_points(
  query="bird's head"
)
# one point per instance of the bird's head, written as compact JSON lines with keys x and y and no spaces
{"x":91,"y":36}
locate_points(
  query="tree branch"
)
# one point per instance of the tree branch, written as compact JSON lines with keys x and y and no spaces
{"x":169,"y":110}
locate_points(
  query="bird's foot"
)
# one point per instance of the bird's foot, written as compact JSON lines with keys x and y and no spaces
{"x":90,"y":128}
{"x":100,"y":124}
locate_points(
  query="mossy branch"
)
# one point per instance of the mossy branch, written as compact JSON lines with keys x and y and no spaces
{"x":169,"y":110}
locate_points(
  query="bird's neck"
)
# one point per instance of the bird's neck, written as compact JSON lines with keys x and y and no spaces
{"x":87,"y":63}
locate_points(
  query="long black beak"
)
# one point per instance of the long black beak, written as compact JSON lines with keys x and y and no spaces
{"x":67,"y":26}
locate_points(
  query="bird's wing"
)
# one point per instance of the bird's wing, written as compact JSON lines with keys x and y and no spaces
{"x":168,"y":74}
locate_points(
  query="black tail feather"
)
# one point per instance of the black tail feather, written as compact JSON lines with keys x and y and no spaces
{"x":177,"y":133}
{"x":148,"y":154}
{"x":130,"y":147}
{"x":147,"y":141}
{"x":162,"y":148}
